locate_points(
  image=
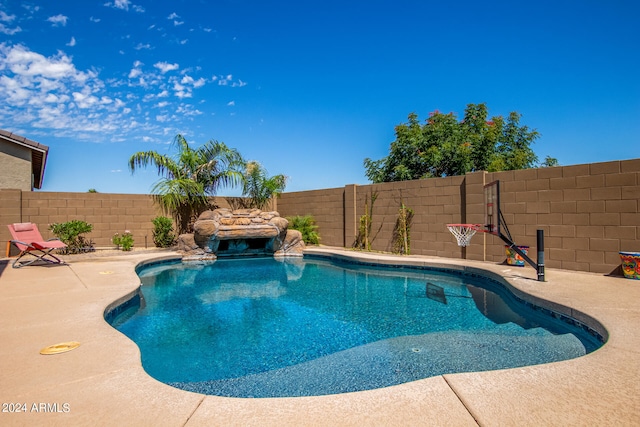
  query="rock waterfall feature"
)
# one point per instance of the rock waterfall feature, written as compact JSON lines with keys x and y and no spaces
{"x":241,"y":232}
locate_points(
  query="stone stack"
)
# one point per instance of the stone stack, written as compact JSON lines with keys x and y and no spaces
{"x":240,"y":232}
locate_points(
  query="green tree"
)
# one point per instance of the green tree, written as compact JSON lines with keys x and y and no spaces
{"x":191,"y":177}
{"x":513,"y":149}
{"x":444,"y":146}
{"x":258,"y":187}
{"x":550,"y":162}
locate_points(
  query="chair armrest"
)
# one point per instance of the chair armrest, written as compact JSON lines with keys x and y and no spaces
{"x":53,"y":238}
{"x":22,"y":243}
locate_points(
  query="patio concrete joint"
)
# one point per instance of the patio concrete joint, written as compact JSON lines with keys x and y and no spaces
{"x":462,"y":402}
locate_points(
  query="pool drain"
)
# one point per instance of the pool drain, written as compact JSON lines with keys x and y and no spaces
{"x":415,"y":350}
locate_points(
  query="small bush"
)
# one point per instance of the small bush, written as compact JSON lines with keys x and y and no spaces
{"x":307,"y":226}
{"x":124,"y":242}
{"x":71,"y":233}
{"x":163,"y":236}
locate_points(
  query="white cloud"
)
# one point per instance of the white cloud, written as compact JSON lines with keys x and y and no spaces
{"x":119,"y":4}
{"x":72,"y":42}
{"x":141,"y":46}
{"x":23,"y":62}
{"x":92,"y":19}
{"x":38,"y":88}
{"x":224,"y":80}
{"x":124,"y":5}
{"x":177,"y":23}
{"x":84,"y":99}
{"x":58,"y":20}
{"x":228,"y":81}
{"x":9,"y":31}
{"x":135,"y":72}
{"x":165,"y":67}
{"x":188,"y":110}
{"x":231,"y":103}
{"x":173,"y":16}
{"x":183,"y":94}
{"x":31,"y":9}
{"x":188,"y":80}
{"x":49,"y":94}
{"x":6,"y":18}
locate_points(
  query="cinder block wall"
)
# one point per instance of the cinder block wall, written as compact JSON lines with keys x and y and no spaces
{"x":588,"y":213}
{"x":326,"y":206}
{"x":108,"y":213}
{"x":337,"y":213}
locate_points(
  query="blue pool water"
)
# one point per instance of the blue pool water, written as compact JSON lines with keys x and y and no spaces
{"x":263,"y":327}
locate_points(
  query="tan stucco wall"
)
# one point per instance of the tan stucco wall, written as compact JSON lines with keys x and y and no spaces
{"x":15,"y":166}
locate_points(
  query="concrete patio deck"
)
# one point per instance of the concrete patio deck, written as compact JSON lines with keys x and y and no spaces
{"x":102,"y":382}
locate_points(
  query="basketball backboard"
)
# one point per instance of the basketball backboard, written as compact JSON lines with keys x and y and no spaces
{"x":492,"y":208}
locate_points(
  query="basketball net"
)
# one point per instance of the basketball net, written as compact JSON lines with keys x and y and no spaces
{"x":463,"y":232}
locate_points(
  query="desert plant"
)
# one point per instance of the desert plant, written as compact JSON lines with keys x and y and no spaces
{"x":401,"y":232}
{"x":258,"y":187}
{"x":124,"y":241}
{"x":364,"y":239}
{"x":163,"y":235}
{"x":71,"y":233}
{"x":306,"y":225}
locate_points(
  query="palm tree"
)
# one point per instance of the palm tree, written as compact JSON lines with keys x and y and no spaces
{"x":189,"y":178}
{"x":258,"y":187}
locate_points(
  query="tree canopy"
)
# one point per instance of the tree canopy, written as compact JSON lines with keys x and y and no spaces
{"x":189,"y":178}
{"x":259,"y":187}
{"x":444,"y":146}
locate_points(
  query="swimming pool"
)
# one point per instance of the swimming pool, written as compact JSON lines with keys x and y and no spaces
{"x":266,"y":328}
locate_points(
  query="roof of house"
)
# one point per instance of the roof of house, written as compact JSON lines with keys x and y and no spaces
{"x":38,"y":154}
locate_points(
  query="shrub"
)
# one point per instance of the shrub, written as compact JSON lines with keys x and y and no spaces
{"x":71,"y":233}
{"x":124,"y":242}
{"x":307,"y":226}
{"x":163,"y":235}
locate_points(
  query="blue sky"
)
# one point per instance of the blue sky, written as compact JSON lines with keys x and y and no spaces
{"x":308,"y":88}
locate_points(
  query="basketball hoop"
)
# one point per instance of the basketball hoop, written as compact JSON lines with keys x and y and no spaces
{"x":463,"y":232}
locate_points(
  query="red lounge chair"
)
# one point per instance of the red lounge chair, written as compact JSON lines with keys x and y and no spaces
{"x":27,"y":238}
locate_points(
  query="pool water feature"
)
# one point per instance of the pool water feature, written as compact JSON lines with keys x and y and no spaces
{"x":265,"y":327}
